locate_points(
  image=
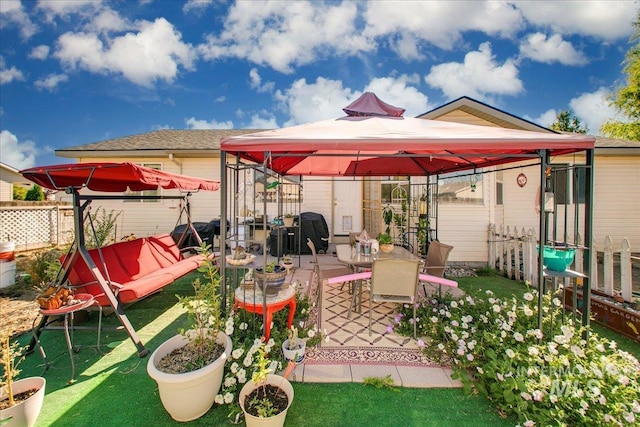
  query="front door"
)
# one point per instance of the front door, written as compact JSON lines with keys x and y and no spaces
{"x":347,"y":206}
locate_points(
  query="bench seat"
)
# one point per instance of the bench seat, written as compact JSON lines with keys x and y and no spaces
{"x":134,"y":269}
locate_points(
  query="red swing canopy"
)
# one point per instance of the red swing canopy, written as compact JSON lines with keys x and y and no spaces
{"x":113,"y":178}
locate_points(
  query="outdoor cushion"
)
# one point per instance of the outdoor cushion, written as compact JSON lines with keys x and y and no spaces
{"x":135,"y":268}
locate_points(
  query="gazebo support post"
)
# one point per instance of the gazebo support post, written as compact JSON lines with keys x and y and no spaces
{"x":544,"y":159}
{"x":223,"y":228}
{"x":588,"y":239}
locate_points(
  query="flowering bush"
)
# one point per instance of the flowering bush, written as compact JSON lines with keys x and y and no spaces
{"x":246,"y":332}
{"x":548,"y":376}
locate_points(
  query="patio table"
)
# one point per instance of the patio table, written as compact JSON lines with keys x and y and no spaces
{"x":253,"y":301}
{"x":359,"y":261}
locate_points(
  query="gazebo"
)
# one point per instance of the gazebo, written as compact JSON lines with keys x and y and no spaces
{"x":374,"y":139}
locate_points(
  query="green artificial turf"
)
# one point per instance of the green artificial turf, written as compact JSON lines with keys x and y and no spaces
{"x":113,"y":388}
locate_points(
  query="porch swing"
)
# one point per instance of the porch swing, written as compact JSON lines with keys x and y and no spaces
{"x":126,"y":271}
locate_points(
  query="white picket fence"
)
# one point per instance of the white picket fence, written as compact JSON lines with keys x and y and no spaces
{"x":513,"y":251}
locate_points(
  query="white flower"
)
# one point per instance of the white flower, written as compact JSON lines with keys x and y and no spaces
{"x":228,"y":329}
{"x":529,"y":423}
{"x":219,"y":399}
{"x":454,"y":304}
{"x":553,"y":398}
{"x":518,"y":337}
{"x":499,"y":376}
{"x":460,"y":351}
{"x":228,"y":398}
{"x":243,"y":326}
{"x":538,"y":395}
{"x":455,"y":323}
{"x":526,"y":396}
{"x":229,"y":381}
{"x":434,"y":319}
{"x":510,"y":353}
{"x":635,"y":406}
{"x":470,"y":357}
{"x":629,"y":417}
{"x":556,"y":302}
{"x":234,"y":368}
{"x":624,"y":380}
{"x":496,"y":308}
{"x":528,"y":296}
{"x":440,"y":346}
{"x":237,"y":353}
{"x":247,"y":361}
{"x":528,"y":312}
{"x":533,"y":351}
{"x":602,"y":399}
{"x":480,"y":370}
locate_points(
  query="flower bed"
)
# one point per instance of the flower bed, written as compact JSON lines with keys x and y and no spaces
{"x":544,"y":377}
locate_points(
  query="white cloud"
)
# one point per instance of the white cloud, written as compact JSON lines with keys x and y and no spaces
{"x":12,"y":13}
{"x":64,"y":8}
{"x":256,"y":82}
{"x":9,"y":75}
{"x":264,"y":120}
{"x":437,"y":22}
{"x":324,"y":99}
{"x":593,"y":109}
{"x":479,"y":76}
{"x":548,"y":50}
{"x":309,"y":102}
{"x":51,"y":82}
{"x":153,"y":53}
{"x":545,"y":119}
{"x":40,"y":52}
{"x":399,"y":93}
{"x":193,"y":123}
{"x":285,"y":34}
{"x":196,"y":5}
{"x":106,"y":21}
{"x":609,"y":20}
{"x":20,"y":155}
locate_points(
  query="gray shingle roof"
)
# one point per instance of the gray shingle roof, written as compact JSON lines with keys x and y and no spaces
{"x":167,"y":139}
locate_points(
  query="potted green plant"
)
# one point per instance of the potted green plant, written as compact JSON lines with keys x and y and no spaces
{"x":189,"y":366}
{"x":266,"y":399}
{"x":20,"y":400}
{"x":293,"y":348}
{"x":387,"y":217}
{"x":270,"y":278}
{"x":386,"y":242}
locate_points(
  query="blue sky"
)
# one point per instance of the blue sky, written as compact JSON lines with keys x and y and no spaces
{"x":76,"y":72}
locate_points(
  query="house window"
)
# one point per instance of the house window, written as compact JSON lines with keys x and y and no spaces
{"x":499,"y":194}
{"x":156,"y":192}
{"x":579,"y":184}
{"x":559,"y":184}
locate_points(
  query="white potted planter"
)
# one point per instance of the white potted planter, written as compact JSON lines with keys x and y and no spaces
{"x":26,"y":412}
{"x":295,"y":354}
{"x":276,"y":420}
{"x":188,"y":396}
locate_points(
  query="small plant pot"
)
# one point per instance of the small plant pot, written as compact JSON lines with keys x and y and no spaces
{"x":288,"y":221}
{"x":276,"y":420}
{"x":387,"y":248}
{"x":297,"y":354}
{"x":26,"y":412}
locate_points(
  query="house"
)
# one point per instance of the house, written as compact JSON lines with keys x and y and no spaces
{"x":9,"y":176}
{"x":474,"y":201}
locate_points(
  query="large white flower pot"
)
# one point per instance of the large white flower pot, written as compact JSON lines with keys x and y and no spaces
{"x":188,"y":396}
{"x":25,"y":413}
{"x":276,"y":420}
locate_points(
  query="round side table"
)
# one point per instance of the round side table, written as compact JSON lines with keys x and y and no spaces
{"x":253,"y":301}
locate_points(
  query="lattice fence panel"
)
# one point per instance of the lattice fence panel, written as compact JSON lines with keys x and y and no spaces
{"x":35,"y":227}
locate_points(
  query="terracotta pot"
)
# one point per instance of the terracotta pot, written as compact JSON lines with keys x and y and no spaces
{"x":188,"y":396}
{"x":26,"y":412}
{"x":276,"y":420}
{"x":297,"y":354}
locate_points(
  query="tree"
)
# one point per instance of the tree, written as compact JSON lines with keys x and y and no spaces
{"x":567,"y":122}
{"x":19,"y":192}
{"x":626,"y":100}
{"x":35,"y":194}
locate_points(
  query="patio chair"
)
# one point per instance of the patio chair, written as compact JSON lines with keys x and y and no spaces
{"x":394,"y":280}
{"x":316,"y":265}
{"x":436,"y":262}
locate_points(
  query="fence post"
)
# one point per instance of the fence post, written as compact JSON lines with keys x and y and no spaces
{"x":500,"y":246}
{"x":508,"y":247}
{"x":516,"y":253}
{"x":492,"y":246}
{"x":608,"y":266}
{"x":625,"y":271}
{"x":594,"y":267}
